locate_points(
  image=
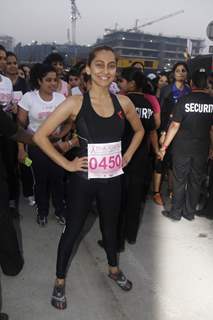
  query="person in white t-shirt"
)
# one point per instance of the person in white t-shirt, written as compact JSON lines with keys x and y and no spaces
{"x":34,"y":108}
{"x":9,"y":146}
{"x":6,"y":92}
{"x":6,"y":87}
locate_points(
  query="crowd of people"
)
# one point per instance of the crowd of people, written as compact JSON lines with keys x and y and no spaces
{"x":104,"y":135}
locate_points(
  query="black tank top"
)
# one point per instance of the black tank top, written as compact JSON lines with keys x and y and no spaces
{"x":92,"y":128}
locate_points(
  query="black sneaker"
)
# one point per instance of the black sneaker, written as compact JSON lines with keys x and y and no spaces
{"x":61,"y":220}
{"x":42,"y":221}
{"x":170,"y":215}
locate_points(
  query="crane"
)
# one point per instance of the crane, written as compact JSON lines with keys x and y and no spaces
{"x":137,"y":27}
{"x":75,"y":14}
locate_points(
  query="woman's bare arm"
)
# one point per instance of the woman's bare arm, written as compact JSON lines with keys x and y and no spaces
{"x":66,"y":110}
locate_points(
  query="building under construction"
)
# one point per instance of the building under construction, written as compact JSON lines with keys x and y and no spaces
{"x":155,"y":51}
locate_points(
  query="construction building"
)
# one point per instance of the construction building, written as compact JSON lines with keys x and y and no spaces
{"x":154,"y":50}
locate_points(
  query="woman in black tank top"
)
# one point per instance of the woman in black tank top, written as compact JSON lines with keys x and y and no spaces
{"x":96,"y":171}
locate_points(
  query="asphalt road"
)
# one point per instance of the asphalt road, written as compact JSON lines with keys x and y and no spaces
{"x":170,"y":267}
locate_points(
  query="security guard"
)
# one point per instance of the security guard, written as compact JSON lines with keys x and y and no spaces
{"x":192,"y":131}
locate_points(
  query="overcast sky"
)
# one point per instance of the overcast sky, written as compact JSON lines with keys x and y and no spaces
{"x":48,"y":20}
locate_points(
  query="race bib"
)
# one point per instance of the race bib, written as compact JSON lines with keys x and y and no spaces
{"x":104,"y":160}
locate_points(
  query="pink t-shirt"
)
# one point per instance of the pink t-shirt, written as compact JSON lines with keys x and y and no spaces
{"x":153,"y":101}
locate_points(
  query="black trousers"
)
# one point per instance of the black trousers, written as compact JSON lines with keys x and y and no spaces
{"x":26,"y":180}
{"x":48,"y":178}
{"x":10,"y":158}
{"x":134,"y":191}
{"x":188,"y":175}
{"x":81,"y":193}
{"x":11,"y":260}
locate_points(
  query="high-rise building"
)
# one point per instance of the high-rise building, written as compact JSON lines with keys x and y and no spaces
{"x":155,"y":50}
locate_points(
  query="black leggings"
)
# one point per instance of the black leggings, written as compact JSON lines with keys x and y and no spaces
{"x":81,"y":193}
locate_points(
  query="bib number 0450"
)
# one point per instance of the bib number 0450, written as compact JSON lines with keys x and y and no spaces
{"x":110,"y":162}
{"x":104,"y":160}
